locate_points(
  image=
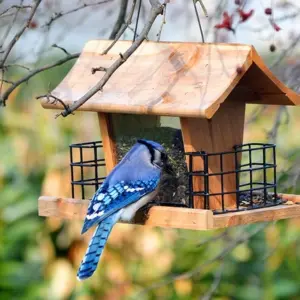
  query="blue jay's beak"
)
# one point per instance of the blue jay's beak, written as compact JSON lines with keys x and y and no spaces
{"x":168,"y":169}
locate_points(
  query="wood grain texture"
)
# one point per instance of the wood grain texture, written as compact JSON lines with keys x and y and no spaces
{"x":170,"y":217}
{"x":218,"y":134}
{"x":107,"y":136}
{"x":290,"y":197}
{"x":258,"y":215}
{"x":174,"y":217}
{"x":177,"y":217}
{"x":172,"y":79}
{"x":65,"y":208}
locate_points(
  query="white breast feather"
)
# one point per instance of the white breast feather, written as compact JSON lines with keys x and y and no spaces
{"x":129,"y":212}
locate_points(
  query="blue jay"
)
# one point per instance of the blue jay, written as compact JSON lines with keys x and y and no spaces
{"x":131,"y":184}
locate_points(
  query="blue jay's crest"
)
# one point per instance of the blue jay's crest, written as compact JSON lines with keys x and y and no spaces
{"x":152,"y":144}
{"x":130,"y":185}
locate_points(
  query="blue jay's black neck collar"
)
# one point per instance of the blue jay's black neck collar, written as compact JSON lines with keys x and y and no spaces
{"x":150,"y":148}
{"x":159,"y":158}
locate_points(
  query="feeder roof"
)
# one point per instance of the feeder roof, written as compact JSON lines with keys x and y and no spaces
{"x":173,"y":79}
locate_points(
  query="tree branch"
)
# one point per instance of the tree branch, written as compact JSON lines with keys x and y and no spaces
{"x":15,"y":6}
{"x":55,"y":99}
{"x":215,"y":284}
{"x":6,"y":94}
{"x":61,"y":14}
{"x":162,"y":23}
{"x":243,"y":237}
{"x":156,"y":9}
{"x":61,"y":48}
{"x":19,"y":33}
{"x":120,"y":20}
{"x":123,"y":28}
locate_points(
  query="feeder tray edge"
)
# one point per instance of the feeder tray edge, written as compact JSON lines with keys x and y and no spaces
{"x":176,"y":217}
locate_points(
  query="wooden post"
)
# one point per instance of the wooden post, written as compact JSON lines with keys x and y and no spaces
{"x":218,"y":134}
{"x":109,"y":147}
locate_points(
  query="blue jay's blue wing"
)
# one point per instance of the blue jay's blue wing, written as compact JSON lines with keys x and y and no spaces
{"x":96,"y":246}
{"x":107,"y":201}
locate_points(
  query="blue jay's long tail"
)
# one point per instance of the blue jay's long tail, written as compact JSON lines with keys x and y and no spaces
{"x":96,"y":246}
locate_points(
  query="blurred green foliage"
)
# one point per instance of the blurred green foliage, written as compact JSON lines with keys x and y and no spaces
{"x":39,"y":256}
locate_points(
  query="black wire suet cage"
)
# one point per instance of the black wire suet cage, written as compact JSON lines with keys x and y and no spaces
{"x":254,"y":172}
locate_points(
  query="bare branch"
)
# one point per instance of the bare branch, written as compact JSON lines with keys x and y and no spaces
{"x":256,"y":114}
{"x":156,"y":10}
{"x":19,"y":33}
{"x":215,"y":284}
{"x":285,"y":52}
{"x":15,"y":6}
{"x":223,"y":234}
{"x":55,"y":99}
{"x":273,"y":133}
{"x":5,"y":96}
{"x":243,"y":237}
{"x":123,"y":28}
{"x":7,"y":81}
{"x":101,"y":69}
{"x":198,"y":18}
{"x":162,"y":23}
{"x":61,"y":48}
{"x":203,"y":7}
{"x":120,"y":20}
{"x":61,"y":14}
{"x":16,"y":65}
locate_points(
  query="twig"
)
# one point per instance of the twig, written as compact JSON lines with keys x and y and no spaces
{"x":123,"y":28}
{"x":19,"y":33}
{"x":203,"y":7}
{"x":48,"y":96}
{"x":215,"y":284}
{"x":211,"y":18}
{"x":5,"y":96}
{"x":163,"y":22}
{"x":7,"y":81}
{"x":15,"y":6}
{"x":61,"y":48}
{"x":101,"y":69}
{"x":16,"y":65}
{"x":256,"y":114}
{"x":8,"y":29}
{"x":61,"y":14}
{"x":243,"y":237}
{"x":286,"y":51}
{"x":1,"y":83}
{"x":137,"y":20}
{"x":198,"y":20}
{"x":120,"y":19}
{"x":156,"y":9}
{"x":214,"y":238}
{"x":272,"y":134}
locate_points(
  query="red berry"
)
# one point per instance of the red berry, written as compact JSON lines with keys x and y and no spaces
{"x":33,"y":25}
{"x":268,"y":11}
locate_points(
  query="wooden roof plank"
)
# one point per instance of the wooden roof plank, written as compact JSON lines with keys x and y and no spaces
{"x":165,"y":78}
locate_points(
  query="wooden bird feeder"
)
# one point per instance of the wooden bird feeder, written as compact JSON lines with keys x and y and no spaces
{"x":206,"y":86}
